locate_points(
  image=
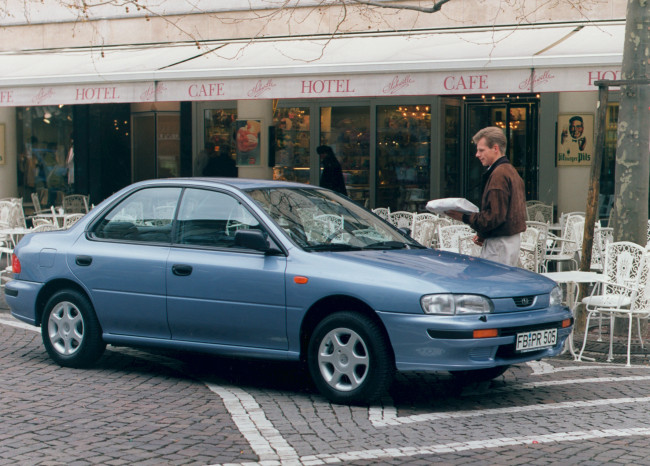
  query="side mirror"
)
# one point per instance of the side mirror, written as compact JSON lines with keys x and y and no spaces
{"x":253,"y":239}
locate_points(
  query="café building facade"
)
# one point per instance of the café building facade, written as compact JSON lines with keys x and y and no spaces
{"x":399,"y":110}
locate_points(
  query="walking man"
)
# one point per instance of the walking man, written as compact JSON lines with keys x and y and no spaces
{"x":502,"y":216}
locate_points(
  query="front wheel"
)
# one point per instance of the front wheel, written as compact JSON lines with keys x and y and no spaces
{"x":350,"y":359}
{"x":70,"y":330}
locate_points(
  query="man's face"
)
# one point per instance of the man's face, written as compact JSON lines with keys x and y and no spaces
{"x":576,"y":129}
{"x":487,"y":155}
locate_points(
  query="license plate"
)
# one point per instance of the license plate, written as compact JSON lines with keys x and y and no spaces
{"x":529,"y":341}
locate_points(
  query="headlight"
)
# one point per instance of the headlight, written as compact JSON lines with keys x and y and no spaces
{"x":556,"y":297}
{"x":455,"y":304}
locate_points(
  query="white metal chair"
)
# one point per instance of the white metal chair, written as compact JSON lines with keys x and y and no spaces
{"x":424,"y":231}
{"x":71,"y":219}
{"x":542,"y":242}
{"x":449,"y":236}
{"x":75,"y":204}
{"x":383,"y":212}
{"x":402,"y":219}
{"x":540,"y":212}
{"x":602,"y":237}
{"x":567,"y":247}
{"x":623,"y":292}
{"x":529,"y":257}
{"x":37,"y":205}
{"x":467,"y":246}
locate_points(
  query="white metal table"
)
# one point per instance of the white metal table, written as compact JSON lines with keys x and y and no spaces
{"x":573,"y":278}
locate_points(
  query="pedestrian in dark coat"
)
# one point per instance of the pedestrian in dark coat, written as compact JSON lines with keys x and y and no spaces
{"x":332,"y":175}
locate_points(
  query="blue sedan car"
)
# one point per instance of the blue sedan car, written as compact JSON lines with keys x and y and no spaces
{"x":256,"y":268}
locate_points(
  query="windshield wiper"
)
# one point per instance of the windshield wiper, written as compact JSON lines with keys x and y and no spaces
{"x":332,"y":247}
{"x":386,"y":245}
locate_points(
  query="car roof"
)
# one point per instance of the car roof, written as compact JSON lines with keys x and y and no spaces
{"x":238,"y":183}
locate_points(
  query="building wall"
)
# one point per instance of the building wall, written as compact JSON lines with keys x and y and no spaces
{"x":41,"y":31}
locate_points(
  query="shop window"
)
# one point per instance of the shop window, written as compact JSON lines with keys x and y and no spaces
{"x":292,"y":142}
{"x":219,"y":126}
{"x":403,"y":154}
{"x":347,"y":131}
{"x":46,"y":155}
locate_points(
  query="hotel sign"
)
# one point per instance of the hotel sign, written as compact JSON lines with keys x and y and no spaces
{"x":289,"y":87}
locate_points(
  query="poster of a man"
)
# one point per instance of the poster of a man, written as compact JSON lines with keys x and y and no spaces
{"x":575,"y":139}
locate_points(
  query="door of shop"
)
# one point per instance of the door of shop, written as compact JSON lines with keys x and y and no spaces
{"x":518,"y":118}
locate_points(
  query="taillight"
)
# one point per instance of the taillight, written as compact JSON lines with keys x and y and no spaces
{"x":15,"y":264}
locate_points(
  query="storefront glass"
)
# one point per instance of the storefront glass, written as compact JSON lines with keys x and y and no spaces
{"x":451,"y":181}
{"x":292,"y":142}
{"x":46,"y":158}
{"x":347,"y":131}
{"x":517,"y":116}
{"x":403,"y":153}
{"x":218,"y":136}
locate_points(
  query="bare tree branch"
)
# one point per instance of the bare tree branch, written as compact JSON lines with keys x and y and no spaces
{"x":437,"y":5}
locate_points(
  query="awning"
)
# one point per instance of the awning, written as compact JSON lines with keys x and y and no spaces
{"x":549,"y":58}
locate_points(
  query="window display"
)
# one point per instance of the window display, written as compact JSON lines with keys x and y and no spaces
{"x":45,"y":153}
{"x":292,"y":142}
{"x":403,"y":153}
{"x":347,"y":131}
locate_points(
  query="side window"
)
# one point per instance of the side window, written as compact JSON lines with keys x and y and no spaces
{"x":145,"y":216}
{"x":210,"y":218}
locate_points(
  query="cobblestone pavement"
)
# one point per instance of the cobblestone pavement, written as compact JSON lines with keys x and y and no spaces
{"x":141,"y":407}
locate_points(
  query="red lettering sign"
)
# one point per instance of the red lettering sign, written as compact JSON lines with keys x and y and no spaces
{"x":6,"y":96}
{"x":466,"y":82}
{"x":327,"y":86}
{"x":602,"y":75}
{"x":96,"y":93}
{"x":205,"y":90}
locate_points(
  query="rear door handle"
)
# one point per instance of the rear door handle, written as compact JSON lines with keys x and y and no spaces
{"x":181,"y":270}
{"x":83,"y":261}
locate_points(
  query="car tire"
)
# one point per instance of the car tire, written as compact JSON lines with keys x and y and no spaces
{"x":70,"y":330}
{"x":350,"y":359}
{"x":479,"y":375}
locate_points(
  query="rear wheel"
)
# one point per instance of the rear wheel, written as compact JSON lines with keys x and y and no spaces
{"x":480,"y":375}
{"x":70,"y":330}
{"x":350,"y":359}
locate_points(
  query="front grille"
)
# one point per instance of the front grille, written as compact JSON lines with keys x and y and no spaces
{"x":525,"y":301}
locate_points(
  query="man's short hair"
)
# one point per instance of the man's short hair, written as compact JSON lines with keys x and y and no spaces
{"x":578,"y":118}
{"x":493,"y":136}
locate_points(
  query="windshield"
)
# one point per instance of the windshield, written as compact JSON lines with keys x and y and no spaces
{"x":319,"y":220}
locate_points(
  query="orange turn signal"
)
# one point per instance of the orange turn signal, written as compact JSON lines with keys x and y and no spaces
{"x":300,"y":280}
{"x":566,"y":323}
{"x":486,"y":333}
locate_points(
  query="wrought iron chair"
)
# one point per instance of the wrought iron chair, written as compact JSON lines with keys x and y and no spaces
{"x":540,"y":212}
{"x":402,"y":219}
{"x":624,"y":291}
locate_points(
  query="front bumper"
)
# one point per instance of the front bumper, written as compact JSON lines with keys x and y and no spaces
{"x":435,"y":343}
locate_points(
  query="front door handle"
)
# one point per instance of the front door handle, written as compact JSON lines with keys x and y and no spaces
{"x":83,"y":261}
{"x":181,"y":270}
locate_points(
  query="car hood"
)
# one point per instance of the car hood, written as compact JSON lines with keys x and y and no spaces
{"x":441,"y":271}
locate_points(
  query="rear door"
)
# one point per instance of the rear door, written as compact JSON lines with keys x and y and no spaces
{"x":123,"y":262}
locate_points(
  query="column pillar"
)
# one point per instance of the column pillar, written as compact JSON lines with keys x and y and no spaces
{"x":258,"y":110}
{"x":8,"y":169}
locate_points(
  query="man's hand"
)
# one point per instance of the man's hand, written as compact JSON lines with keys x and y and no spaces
{"x":455,"y":215}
